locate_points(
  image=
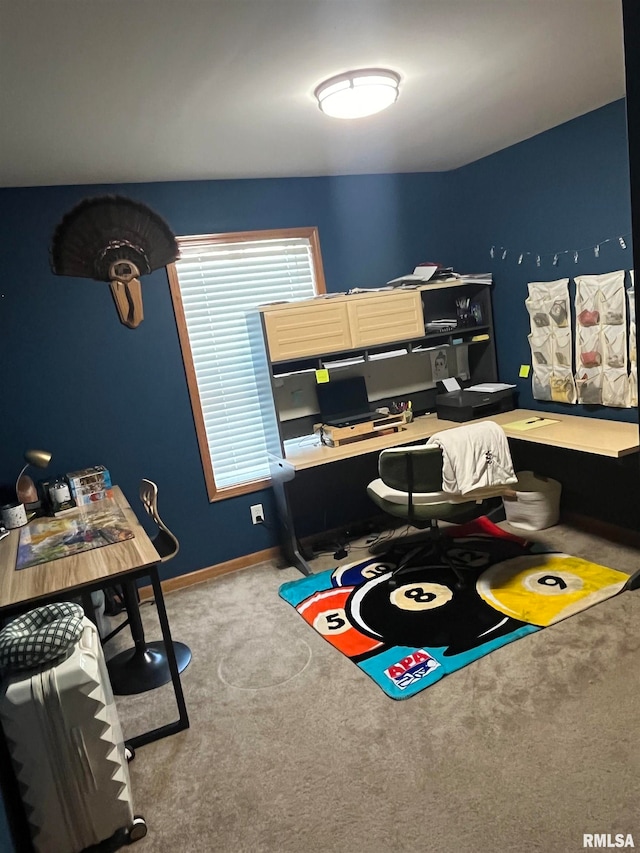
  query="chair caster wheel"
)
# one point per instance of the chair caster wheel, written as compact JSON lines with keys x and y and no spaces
{"x":129,"y":753}
{"x":138,"y":829}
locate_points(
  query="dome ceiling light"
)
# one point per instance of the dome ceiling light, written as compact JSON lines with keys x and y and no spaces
{"x":356,"y":94}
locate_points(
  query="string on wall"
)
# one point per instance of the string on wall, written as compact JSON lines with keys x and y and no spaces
{"x":502,"y":252}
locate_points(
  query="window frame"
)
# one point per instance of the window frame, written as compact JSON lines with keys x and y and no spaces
{"x":215,"y":492}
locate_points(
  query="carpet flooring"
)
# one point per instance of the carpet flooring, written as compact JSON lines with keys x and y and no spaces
{"x":293,"y":750}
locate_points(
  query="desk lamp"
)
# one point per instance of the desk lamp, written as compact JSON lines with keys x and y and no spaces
{"x":26,"y":491}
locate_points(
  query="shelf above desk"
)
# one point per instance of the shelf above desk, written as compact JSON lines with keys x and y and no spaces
{"x":571,"y":432}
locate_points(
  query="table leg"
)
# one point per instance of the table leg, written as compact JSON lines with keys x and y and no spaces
{"x":281,"y":473}
{"x":145,"y":666}
{"x":183,"y":719}
{"x":87,"y":606}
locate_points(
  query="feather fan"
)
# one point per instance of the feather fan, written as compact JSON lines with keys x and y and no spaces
{"x":116,"y":239}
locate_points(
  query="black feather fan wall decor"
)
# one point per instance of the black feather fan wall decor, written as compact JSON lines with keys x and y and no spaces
{"x":116,"y":239}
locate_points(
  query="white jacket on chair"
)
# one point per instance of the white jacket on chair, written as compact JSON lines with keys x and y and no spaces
{"x":474,"y":456}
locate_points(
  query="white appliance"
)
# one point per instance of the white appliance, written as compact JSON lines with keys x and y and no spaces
{"x":68,"y":753}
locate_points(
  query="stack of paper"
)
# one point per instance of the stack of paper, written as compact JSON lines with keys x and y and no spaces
{"x":489,"y":387}
{"x":374,"y":356}
{"x":441,"y":325}
{"x":343,"y":362}
{"x":424,"y":273}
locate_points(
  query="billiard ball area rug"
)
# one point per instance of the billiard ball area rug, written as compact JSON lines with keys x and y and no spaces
{"x":410,"y":632}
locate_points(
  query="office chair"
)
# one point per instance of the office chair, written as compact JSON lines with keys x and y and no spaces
{"x":145,"y":666}
{"x":410,"y":487}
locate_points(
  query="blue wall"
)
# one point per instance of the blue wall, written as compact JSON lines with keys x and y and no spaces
{"x":79,"y":383}
{"x":565,"y":189}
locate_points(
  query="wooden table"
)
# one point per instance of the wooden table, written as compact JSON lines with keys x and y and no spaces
{"x":79,"y":575}
{"x":605,"y":438}
{"x":572,"y":432}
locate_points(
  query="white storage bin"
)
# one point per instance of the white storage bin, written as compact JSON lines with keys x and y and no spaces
{"x":537,"y":502}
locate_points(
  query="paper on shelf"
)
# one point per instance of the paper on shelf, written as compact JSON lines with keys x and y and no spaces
{"x":343,"y":362}
{"x":490,"y":387}
{"x":421,"y":348}
{"x":375,"y":356}
{"x":410,"y":278}
{"x":426,"y":271}
{"x":530,"y":423}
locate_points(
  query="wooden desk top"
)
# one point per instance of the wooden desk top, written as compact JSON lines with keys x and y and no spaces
{"x":48,"y":579}
{"x":572,"y":432}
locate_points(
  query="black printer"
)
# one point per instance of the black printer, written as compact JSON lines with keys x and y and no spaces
{"x":461,"y":406}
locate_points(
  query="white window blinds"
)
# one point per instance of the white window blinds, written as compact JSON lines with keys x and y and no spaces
{"x":220,"y":283}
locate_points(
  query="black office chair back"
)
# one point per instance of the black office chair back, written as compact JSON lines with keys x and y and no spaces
{"x":412,"y":469}
{"x":422,"y":465}
{"x":165,"y":543}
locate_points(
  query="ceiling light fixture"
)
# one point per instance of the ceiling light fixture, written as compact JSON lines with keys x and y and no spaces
{"x":358,"y":93}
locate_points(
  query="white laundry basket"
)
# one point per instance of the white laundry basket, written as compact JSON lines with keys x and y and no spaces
{"x":536,"y":504}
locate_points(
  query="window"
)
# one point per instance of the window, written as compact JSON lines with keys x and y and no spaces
{"x":216,"y":283}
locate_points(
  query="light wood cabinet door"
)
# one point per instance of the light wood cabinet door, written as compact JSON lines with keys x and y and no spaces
{"x":307,"y":329}
{"x":385,"y":318}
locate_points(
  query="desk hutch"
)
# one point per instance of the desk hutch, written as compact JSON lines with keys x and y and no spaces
{"x":387,"y":336}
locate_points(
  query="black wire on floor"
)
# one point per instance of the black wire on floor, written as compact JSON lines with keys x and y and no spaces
{"x":341,"y":546}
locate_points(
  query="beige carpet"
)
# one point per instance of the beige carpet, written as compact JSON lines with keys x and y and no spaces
{"x":292,"y":749}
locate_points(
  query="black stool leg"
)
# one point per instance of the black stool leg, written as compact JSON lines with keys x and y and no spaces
{"x":145,"y":666}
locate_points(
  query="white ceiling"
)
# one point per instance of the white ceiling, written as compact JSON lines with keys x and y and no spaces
{"x":95,"y":91}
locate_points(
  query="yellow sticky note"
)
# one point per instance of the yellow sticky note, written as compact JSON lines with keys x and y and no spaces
{"x":524,"y":370}
{"x":322,"y":376}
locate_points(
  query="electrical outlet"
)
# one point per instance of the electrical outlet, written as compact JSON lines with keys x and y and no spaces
{"x":257,"y":514}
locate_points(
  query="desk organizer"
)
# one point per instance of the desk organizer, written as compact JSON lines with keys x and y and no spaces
{"x":550,"y":341}
{"x":605,"y":352}
{"x":337,"y":436}
{"x":601,"y":340}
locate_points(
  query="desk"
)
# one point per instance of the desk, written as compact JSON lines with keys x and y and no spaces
{"x":79,"y":575}
{"x":83,"y":573}
{"x":613,"y":439}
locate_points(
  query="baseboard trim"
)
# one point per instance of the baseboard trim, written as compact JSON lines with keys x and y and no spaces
{"x":604,"y":529}
{"x":201,"y":575}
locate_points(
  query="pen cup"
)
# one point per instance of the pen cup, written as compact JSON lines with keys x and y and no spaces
{"x":13,"y":515}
